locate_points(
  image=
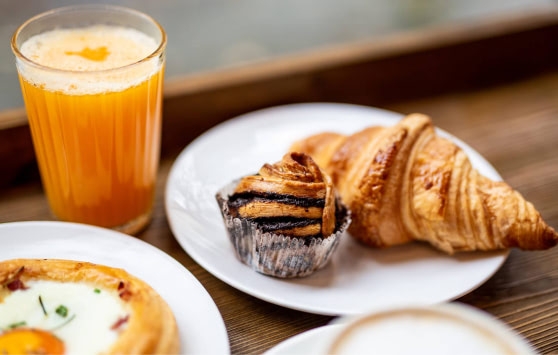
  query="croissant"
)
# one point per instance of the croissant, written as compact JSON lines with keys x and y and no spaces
{"x":405,"y":183}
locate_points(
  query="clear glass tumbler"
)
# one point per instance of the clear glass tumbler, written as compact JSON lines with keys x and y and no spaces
{"x":91,"y":78}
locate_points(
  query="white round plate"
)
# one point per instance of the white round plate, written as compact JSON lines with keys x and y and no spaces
{"x":200,"y":324}
{"x":357,"y":278}
{"x":312,"y":341}
{"x":455,"y":320}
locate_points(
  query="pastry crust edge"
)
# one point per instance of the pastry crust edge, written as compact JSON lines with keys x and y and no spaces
{"x":151,"y":327}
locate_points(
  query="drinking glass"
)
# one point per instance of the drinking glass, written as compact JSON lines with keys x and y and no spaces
{"x":96,"y":125}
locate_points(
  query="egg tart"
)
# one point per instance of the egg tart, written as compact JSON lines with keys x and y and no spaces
{"x":50,"y":306}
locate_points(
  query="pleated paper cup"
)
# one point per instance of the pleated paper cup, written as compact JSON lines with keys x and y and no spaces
{"x":276,"y":254}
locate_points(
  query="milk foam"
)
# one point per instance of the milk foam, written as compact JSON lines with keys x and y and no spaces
{"x":408,"y":334}
{"x":436,"y":330}
{"x":60,"y":48}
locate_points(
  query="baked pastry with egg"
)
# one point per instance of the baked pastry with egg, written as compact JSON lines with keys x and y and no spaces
{"x":50,"y":306}
{"x":286,"y":220}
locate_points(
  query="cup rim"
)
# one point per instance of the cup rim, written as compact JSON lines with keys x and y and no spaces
{"x":84,"y":7}
{"x":456,"y":311}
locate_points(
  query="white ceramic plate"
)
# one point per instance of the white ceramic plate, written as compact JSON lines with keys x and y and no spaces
{"x":466,"y":330}
{"x":200,"y":324}
{"x":357,"y":278}
{"x":309,"y":342}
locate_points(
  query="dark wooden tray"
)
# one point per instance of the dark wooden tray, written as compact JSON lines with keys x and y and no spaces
{"x":376,"y":72}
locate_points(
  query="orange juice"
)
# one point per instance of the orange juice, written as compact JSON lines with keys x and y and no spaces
{"x":95,"y":118}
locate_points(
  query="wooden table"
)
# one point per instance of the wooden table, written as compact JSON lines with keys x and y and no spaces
{"x":513,"y":123}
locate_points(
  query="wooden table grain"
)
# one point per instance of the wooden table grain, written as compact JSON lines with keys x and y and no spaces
{"x":514,"y":126}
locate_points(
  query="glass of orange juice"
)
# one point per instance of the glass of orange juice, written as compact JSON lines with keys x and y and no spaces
{"x":91,"y":78}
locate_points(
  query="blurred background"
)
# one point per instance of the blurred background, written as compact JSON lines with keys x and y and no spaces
{"x":205,"y":35}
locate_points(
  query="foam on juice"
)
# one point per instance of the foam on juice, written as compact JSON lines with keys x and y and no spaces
{"x":92,"y":51}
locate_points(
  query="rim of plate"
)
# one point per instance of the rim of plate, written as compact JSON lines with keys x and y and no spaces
{"x":284,"y":109}
{"x":106,"y":233}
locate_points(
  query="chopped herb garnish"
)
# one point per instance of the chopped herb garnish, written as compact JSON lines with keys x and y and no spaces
{"x":64,"y":323}
{"x":42,"y":305}
{"x":97,"y":290}
{"x":18,"y":324}
{"x":62,"y":311}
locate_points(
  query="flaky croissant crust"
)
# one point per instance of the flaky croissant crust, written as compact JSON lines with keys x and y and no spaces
{"x":151,"y":327}
{"x":295,"y":176}
{"x":405,"y":183}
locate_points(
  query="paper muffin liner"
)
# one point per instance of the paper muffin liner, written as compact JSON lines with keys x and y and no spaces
{"x":276,"y":254}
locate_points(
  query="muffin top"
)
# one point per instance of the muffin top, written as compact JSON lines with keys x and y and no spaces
{"x":293,"y":197}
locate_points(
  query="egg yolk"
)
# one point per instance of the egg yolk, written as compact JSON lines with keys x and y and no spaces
{"x":30,"y":341}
